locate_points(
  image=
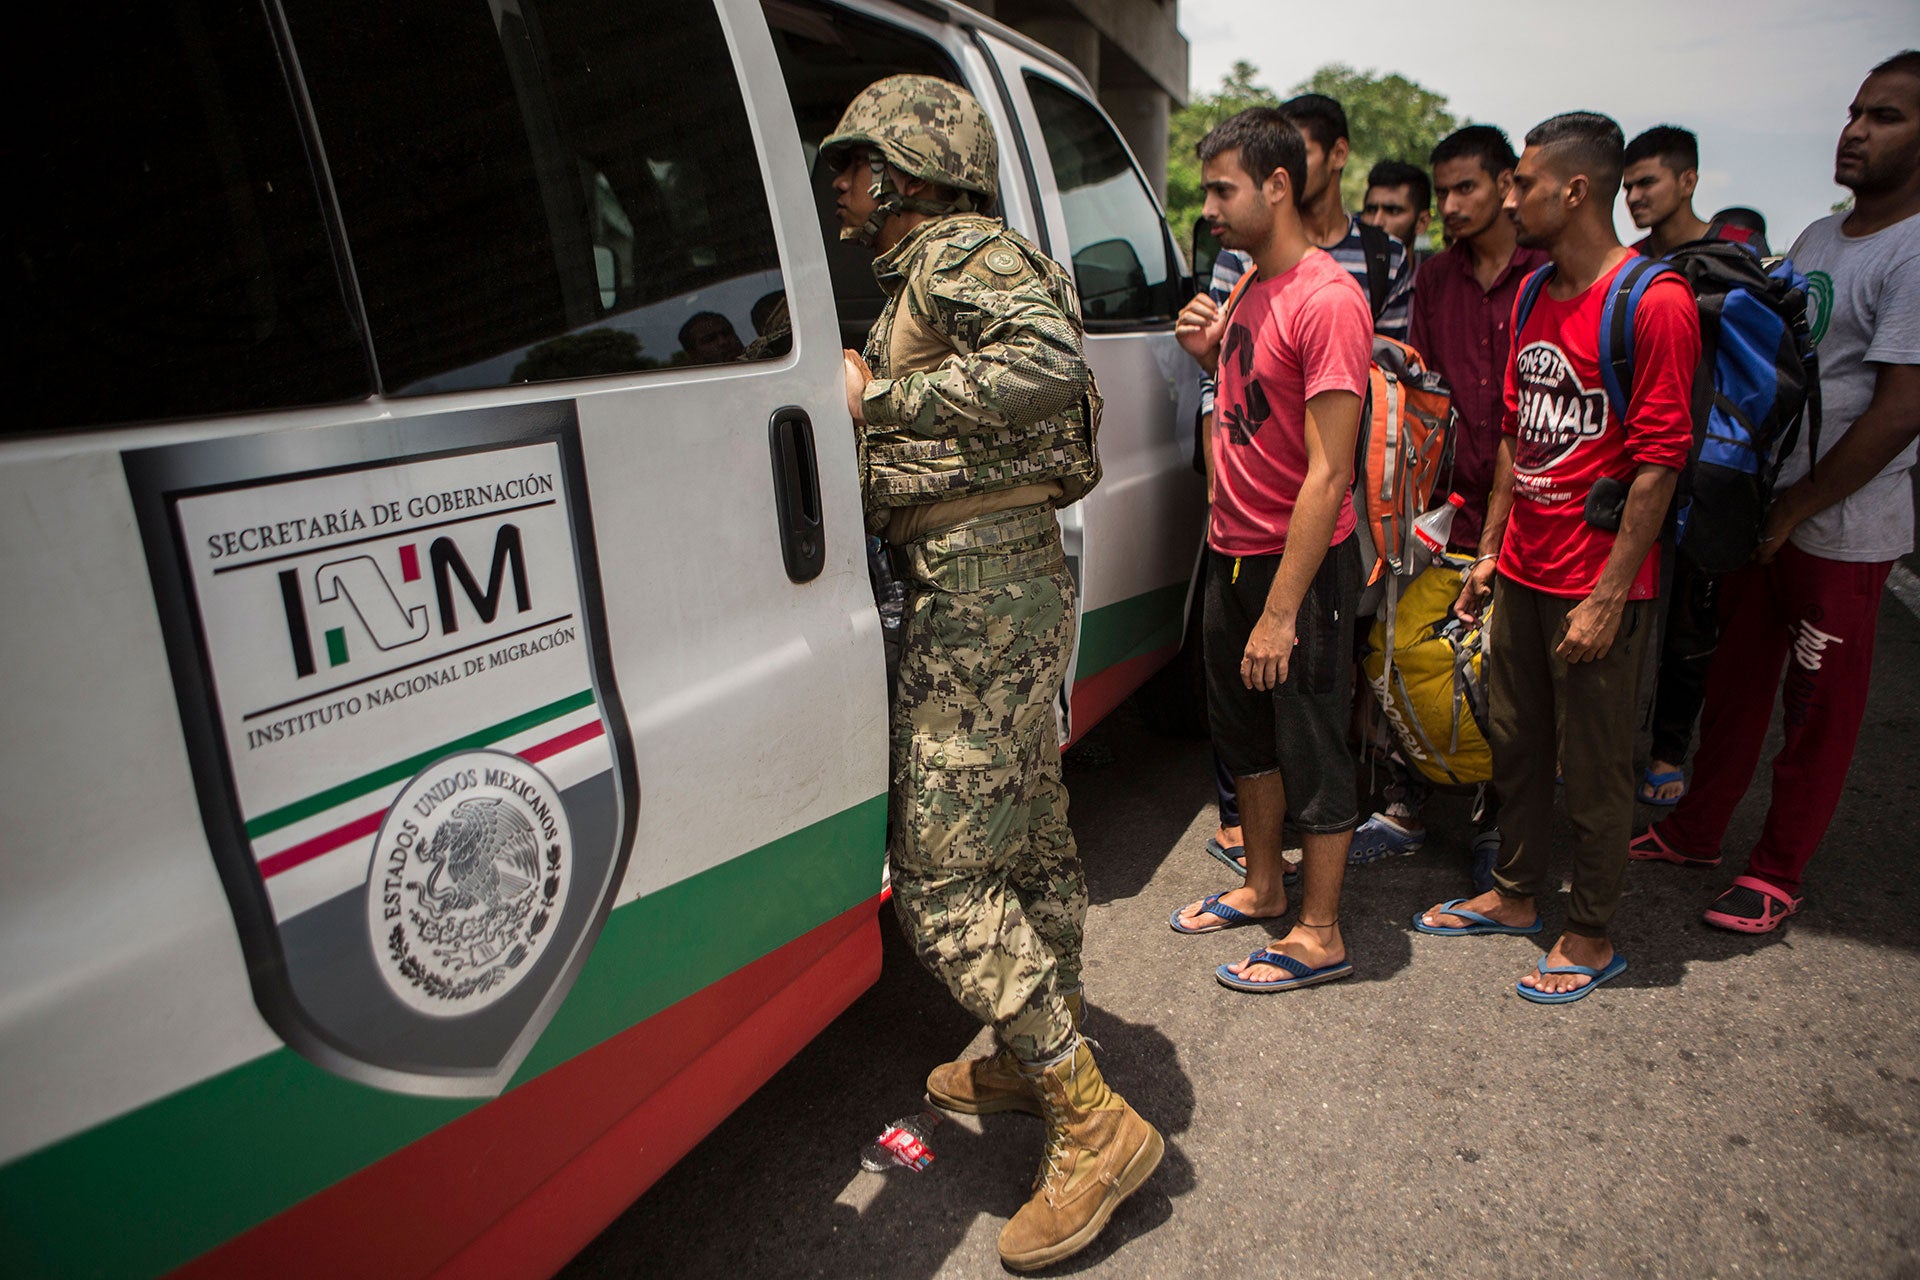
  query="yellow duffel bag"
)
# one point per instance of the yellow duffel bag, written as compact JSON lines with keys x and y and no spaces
{"x":1432,"y":686}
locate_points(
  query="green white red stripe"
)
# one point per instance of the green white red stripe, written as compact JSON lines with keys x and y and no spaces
{"x":321,"y":846}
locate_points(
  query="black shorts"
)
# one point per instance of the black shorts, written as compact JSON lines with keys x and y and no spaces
{"x":1300,"y":727}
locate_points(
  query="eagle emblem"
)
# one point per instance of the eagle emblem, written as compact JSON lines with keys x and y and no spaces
{"x":475,"y":869}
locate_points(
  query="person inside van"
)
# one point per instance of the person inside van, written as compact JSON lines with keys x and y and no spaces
{"x":709,"y":338}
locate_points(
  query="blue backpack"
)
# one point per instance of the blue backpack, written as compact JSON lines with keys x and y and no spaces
{"x":1758,"y":377}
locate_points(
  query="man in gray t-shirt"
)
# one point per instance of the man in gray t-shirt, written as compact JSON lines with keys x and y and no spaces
{"x":1809,"y":603}
{"x":1864,"y":307}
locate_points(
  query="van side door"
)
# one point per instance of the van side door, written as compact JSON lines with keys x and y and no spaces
{"x":1134,"y":538}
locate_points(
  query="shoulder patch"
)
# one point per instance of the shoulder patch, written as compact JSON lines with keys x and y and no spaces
{"x":971,"y":238}
{"x":1004,"y":261}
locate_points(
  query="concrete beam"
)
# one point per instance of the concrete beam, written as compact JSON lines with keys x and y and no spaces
{"x":1147,"y":32}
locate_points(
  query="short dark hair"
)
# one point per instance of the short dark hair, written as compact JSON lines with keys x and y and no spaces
{"x":1594,"y":144}
{"x":1907,"y":62}
{"x":1266,"y":141}
{"x":1671,"y":145}
{"x":1482,"y":142}
{"x":1398,"y":173}
{"x":1317,"y":116}
{"x":1740,"y":216}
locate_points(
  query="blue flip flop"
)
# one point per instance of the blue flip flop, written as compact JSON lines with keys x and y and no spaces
{"x":1481,"y":924}
{"x":1651,"y":781}
{"x":1231,"y":853}
{"x":1212,"y":904}
{"x":1228,"y":853}
{"x":1304,"y":974}
{"x":1615,"y":967}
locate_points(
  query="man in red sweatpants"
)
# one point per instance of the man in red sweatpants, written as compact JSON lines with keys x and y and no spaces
{"x":1809,"y":602}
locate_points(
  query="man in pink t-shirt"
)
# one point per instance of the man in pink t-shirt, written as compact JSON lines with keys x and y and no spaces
{"x":1289,"y":356}
{"x":1577,"y":570}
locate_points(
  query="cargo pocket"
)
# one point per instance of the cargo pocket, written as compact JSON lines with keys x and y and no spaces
{"x":961,"y":801}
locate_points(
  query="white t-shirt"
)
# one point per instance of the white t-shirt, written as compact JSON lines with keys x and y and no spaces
{"x":1864,"y":308}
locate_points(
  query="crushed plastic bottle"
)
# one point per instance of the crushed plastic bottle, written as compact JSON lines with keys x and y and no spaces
{"x":1434,"y":528}
{"x":903,"y":1143}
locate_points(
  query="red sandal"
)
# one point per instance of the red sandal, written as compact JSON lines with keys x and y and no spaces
{"x":1751,"y":905}
{"x":1649,"y":847}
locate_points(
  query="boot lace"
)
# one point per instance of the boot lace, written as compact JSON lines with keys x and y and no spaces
{"x":1051,"y":1101}
{"x":1051,"y":1173}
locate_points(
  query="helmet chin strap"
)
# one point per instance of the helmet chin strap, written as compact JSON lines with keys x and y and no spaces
{"x":889,"y":200}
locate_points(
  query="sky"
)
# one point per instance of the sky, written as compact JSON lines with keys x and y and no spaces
{"x":1764,"y":83}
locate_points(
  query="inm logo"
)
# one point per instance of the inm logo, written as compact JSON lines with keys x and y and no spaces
{"x":356,"y":596}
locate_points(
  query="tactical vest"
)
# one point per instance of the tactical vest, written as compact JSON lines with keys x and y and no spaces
{"x":905,"y":468}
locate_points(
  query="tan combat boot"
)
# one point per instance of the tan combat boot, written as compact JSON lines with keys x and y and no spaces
{"x":986,"y":1086}
{"x":1099,"y":1152}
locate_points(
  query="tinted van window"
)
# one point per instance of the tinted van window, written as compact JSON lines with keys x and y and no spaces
{"x":168,"y":256}
{"x":827,"y":55}
{"x":1120,"y":250}
{"x":541,"y":189}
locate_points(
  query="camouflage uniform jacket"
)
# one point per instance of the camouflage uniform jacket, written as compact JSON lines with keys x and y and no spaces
{"x":979,"y":381}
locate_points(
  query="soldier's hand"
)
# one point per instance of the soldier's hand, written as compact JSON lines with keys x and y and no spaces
{"x":1199,"y":328}
{"x":858,"y":376}
{"x":1269,"y":649}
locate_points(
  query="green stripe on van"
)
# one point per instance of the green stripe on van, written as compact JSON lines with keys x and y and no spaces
{"x":159,"y":1186}
{"x":1131,"y":627}
{"x":287,"y":815}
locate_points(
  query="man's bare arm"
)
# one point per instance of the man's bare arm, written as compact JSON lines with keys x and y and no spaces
{"x":1891,"y":422}
{"x":1477,"y":583}
{"x":1333,"y":425}
{"x":1595,"y":621}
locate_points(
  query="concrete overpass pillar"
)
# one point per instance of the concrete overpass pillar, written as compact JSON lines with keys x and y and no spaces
{"x":1141,"y":112}
{"x":1074,"y":39}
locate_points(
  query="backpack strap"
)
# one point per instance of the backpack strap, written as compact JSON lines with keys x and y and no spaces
{"x":1239,"y":287}
{"x":1616,"y":329}
{"x":1529,"y":294}
{"x":1378,"y":247}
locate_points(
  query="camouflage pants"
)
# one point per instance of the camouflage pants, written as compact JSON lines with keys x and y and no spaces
{"x":986,"y":879}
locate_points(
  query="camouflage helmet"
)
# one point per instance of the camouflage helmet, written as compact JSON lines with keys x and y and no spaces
{"x":926,"y":128}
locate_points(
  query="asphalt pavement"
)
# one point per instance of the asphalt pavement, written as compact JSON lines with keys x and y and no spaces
{"x":1730,"y":1106}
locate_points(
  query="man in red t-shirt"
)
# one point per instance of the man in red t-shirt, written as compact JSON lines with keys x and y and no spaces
{"x":1571,"y":611}
{"x":1283,"y":565}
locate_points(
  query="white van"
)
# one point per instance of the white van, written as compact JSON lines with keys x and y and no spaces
{"x":444,"y":694}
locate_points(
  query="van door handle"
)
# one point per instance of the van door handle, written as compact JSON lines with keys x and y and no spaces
{"x":796,"y":493}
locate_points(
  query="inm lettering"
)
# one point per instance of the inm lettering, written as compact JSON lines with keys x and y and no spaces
{"x":449,"y":565}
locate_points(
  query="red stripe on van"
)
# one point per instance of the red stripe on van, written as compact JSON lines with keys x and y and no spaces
{"x":522,"y":1184}
{"x":1095,"y":695}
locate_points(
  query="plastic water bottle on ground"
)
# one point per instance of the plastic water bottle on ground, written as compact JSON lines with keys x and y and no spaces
{"x":904,"y":1144}
{"x":1434,"y":528}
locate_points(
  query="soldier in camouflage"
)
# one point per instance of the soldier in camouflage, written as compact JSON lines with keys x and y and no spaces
{"x":976,"y":416}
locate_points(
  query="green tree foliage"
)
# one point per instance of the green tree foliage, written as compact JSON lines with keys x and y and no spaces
{"x":1389,"y":117}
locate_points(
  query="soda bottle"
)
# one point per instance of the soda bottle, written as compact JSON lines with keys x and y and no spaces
{"x":904,"y":1143}
{"x":1434,"y":528}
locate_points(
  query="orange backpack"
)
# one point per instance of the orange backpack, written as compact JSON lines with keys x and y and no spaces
{"x":1406,"y":443}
